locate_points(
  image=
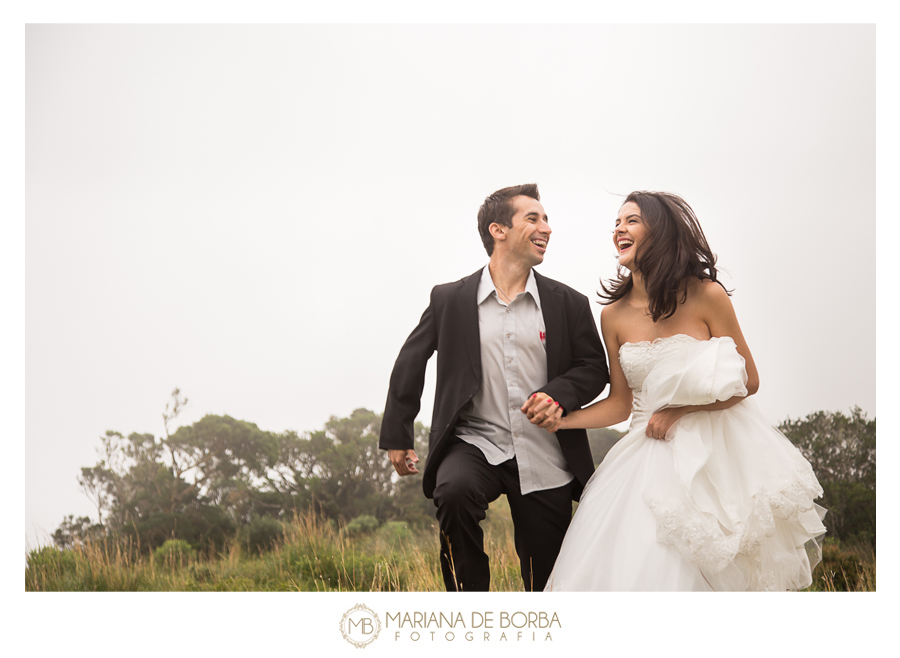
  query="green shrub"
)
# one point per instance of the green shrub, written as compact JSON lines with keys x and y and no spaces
{"x":175,"y":552}
{"x":50,"y":561}
{"x":361,"y":525}
{"x":262,"y":534}
{"x":204,"y":526}
{"x":394,"y":532}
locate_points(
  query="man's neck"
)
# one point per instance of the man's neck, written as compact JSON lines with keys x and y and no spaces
{"x":509,"y":277}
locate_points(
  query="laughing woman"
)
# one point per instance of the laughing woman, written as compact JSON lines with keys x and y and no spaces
{"x":702,"y":493}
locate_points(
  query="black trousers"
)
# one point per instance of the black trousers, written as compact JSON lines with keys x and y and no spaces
{"x":466,"y":485}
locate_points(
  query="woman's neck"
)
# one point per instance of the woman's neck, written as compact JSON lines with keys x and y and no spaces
{"x":638,"y":289}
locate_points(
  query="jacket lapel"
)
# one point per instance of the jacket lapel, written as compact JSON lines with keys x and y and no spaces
{"x":468,"y":319}
{"x":552,"y":309}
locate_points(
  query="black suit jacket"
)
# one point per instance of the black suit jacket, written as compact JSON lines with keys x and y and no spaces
{"x":576,"y":369}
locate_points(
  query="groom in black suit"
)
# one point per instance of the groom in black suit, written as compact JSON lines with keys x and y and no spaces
{"x":507,"y":339}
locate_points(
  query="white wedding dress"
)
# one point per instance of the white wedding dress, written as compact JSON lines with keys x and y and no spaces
{"x":724,"y":503}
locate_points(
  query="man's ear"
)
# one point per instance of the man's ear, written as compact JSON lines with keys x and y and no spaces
{"x":498,"y":231}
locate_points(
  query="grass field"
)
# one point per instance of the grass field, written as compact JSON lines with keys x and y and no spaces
{"x":318,"y":556}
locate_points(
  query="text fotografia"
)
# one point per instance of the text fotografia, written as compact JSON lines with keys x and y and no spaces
{"x":478,"y":626}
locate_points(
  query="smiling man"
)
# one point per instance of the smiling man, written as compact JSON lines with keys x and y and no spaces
{"x":507,"y":339}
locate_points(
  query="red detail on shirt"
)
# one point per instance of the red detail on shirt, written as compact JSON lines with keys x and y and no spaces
{"x":543,"y":336}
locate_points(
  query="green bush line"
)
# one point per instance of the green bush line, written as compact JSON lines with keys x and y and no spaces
{"x":313,"y":555}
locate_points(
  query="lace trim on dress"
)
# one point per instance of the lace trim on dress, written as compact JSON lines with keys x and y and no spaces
{"x":700,"y":538}
{"x":646,"y":344}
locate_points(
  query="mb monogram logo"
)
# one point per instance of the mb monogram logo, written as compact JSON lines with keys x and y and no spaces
{"x":360,"y":626}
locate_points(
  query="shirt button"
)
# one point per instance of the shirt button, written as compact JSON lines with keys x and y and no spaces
{"x":507,"y":309}
{"x":508,"y":335}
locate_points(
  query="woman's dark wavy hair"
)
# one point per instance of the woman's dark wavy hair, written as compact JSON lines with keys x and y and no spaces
{"x":673,"y":252}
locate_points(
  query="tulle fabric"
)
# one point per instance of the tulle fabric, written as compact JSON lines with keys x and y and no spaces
{"x":724,"y":503}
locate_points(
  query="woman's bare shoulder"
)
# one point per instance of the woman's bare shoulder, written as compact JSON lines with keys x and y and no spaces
{"x":621,"y":319}
{"x":706,"y":291}
{"x":610,"y":318}
{"x":612,"y":311}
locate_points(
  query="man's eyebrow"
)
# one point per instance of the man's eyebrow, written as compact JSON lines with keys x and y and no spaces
{"x":535,"y":213}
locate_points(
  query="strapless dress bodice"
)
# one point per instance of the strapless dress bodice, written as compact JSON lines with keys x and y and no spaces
{"x":638,"y":359}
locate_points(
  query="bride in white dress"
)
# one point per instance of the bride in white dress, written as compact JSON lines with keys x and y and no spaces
{"x":702,"y":493}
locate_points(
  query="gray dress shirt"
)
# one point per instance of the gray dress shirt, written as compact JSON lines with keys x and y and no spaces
{"x":513,"y":365}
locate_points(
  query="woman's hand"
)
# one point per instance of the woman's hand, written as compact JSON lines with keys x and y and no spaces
{"x":543,"y":411}
{"x":662,"y":421}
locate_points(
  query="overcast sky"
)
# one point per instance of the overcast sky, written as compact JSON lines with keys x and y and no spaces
{"x":257,"y":214}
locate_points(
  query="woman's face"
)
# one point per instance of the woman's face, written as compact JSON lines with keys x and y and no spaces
{"x":630,"y":230}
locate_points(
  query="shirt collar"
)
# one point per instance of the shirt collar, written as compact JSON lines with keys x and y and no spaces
{"x":486,"y":287}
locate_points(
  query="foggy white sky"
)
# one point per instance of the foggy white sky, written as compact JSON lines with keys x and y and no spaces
{"x":257,"y":214}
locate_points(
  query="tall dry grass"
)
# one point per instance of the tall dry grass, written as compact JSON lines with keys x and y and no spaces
{"x":319,"y":556}
{"x":314,"y":555}
{"x":845,"y":567}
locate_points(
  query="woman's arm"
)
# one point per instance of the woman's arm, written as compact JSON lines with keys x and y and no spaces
{"x":717,"y":312}
{"x":616,"y":407}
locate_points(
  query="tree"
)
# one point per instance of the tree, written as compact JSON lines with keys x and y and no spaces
{"x":841,"y":450}
{"x":72,"y":531}
{"x":341,"y":472}
{"x":221,"y":460}
{"x":192,"y":484}
{"x":206,"y":482}
{"x":409,"y":501}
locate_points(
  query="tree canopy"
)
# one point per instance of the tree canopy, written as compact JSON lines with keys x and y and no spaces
{"x":219,"y":476}
{"x":841,"y":450}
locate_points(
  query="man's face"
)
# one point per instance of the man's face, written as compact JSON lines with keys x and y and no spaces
{"x":527,"y":239}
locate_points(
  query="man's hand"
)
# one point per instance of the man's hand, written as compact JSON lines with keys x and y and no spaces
{"x":404,"y":461}
{"x":543,"y":411}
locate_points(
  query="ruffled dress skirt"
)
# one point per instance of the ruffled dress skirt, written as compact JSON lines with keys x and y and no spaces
{"x":725,"y":503}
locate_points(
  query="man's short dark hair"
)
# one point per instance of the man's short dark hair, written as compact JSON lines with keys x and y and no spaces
{"x":498,"y":208}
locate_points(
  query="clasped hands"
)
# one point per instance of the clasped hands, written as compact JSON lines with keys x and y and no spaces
{"x":546,"y":413}
{"x":543,"y":411}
